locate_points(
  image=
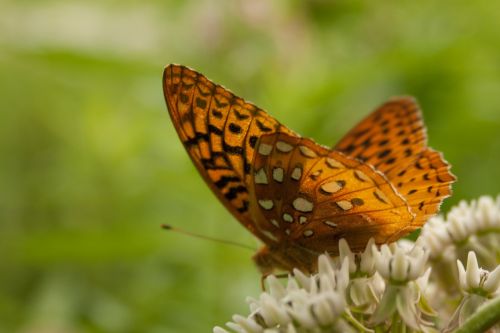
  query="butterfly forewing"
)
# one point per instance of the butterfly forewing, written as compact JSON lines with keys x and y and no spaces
{"x":321,"y":196}
{"x":393,"y":139}
{"x":219,"y":131}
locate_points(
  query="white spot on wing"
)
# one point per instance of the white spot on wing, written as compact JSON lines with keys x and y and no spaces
{"x":333,"y":163}
{"x":344,"y":204}
{"x":266,"y":204}
{"x":296,"y":173}
{"x":278,"y":174}
{"x":261,"y":177}
{"x":265,"y":149}
{"x":308,"y":233}
{"x":307,"y":152}
{"x":362,"y":176}
{"x":302,"y":219}
{"x":283,"y":146}
{"x":275,"y":223}
{"x":331,"y":187}
{"x":381,"y":196}
{"x":270,"y":235}
{"x":316,"y":174}
{"x":287,"y":218}
{"x":303,"y":205}
{"x":330,"y":224}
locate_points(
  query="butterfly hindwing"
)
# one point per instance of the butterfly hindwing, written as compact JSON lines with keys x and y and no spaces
{"x":321,"y":196}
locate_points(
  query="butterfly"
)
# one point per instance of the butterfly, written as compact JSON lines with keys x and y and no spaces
{"x":300,"y":198}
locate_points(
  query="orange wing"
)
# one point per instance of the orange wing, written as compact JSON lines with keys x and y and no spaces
{"x":308,"y":196}
{"x":219,"y":131}
{"x":393,"y":139}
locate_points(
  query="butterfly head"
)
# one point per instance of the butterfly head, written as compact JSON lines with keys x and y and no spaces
{"x":285,"y":258}
{"x":264,"y":260}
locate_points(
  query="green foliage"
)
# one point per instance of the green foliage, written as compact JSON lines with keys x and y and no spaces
{"x":91,"y":166}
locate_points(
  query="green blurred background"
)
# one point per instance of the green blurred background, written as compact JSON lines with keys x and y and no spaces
{"x":91,"y":165}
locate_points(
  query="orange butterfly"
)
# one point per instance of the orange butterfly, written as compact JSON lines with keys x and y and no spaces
{"x":299,"y":198}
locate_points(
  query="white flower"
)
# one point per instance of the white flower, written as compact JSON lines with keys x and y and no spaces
{"x":400,"y":266}
{"x":476,"y":280}
{"x":468,"y":226}
{"x":478,"y":286}
{"x":486,"y":214}
{"x":459,"y":225}
{"x":464,"y":220}
{"x":403,"y":266}
{"x":492,"y":282}
{"x":435,"y":237}
{"x":365,"y":292}
{"x":359,"y":263}
{"x":345,"y":252}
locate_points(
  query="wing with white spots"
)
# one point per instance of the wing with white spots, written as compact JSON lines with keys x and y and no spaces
{"x":313,"y":196}
{"x":219,"y":131}
{"x":393,"y":139}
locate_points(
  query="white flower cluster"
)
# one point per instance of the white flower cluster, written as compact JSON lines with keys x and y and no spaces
{"x":473,"y":226}
{"x":396,"y":287}
{"x":307,"y":302}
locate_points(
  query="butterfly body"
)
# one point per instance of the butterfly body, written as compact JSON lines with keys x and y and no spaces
{"x":299,"y":198}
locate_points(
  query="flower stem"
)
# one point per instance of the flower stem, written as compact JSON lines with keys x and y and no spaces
{"x":351,"y":320}
{"x":486,"y":316}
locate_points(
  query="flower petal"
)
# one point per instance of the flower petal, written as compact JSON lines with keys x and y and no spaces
{"x":472,"y":276}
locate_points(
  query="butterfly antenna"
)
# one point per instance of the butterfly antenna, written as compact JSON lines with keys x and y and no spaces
{"x":218,"y":240}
